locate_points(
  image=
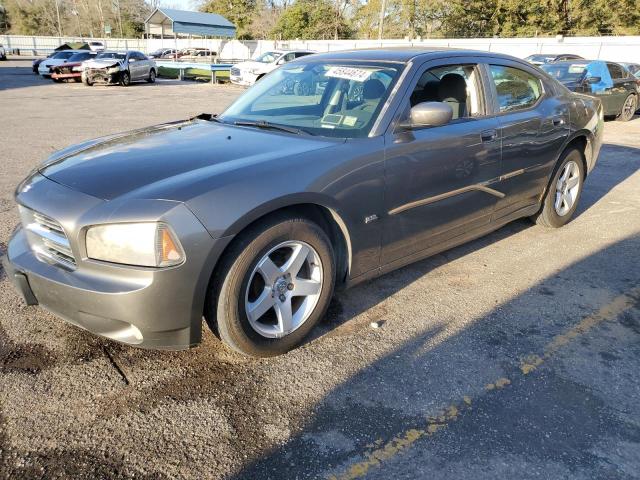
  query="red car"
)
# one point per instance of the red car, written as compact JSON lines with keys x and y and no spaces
{"x":72,"y":68}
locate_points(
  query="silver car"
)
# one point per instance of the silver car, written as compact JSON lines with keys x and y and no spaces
{"x":119,"y":68}
{"x":252,"y":218}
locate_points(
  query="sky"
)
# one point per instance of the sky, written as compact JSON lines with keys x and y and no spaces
{"x":180,"y":4}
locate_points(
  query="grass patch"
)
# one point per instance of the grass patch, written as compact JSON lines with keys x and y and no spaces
{"x":192,"y":74}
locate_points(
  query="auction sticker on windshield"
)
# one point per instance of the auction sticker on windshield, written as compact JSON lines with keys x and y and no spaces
{"x":349,"y":73}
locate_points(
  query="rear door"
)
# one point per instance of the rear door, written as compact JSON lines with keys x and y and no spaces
{"x":621,"y":88}
{"x":439,"y":180}
{"x":533,"y":126}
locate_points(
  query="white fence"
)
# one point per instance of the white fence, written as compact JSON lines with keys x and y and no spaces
{"x":610,"y":48}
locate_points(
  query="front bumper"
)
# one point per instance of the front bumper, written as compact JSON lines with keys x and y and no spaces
{"x":61,"y":76}
{"x":144,"y":307}
{"x":245,"y":79}
{"x":101,"y":76}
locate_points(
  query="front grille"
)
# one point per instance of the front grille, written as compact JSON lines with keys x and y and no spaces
{"x":47,"y":238}
{"x":235,"y":72}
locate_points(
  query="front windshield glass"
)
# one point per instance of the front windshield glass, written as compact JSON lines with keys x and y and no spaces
{"x":118,"y":56}
{"x":267,"y":57}
{"x":79,"y":57}
{"x":566,"y":72}
{"x":328,"y":99}
{"x":63,"y":55}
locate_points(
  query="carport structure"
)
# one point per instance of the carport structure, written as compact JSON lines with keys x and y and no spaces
{"x":170,"y":23}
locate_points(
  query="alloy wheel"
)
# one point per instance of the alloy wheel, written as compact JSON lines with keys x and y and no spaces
{"x":629,"y":107}
{"x":567,"y":188}
{"x":283,"y":289}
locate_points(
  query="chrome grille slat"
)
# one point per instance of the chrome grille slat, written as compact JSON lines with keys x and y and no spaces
{"x":48,"y":239}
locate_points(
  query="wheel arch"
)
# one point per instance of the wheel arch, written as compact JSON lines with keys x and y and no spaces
{"x":580,"y":140}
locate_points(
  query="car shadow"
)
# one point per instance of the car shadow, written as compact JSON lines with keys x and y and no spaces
{"x":406,"y":397}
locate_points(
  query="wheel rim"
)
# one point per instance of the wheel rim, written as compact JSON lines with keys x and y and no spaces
{"x":283,"y":289}
{"x":629,"y":108}
{"x":567,"y":188}
{"x":152,"y":75}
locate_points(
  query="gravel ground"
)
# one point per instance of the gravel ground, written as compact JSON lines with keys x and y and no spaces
{"x":516,"y":355}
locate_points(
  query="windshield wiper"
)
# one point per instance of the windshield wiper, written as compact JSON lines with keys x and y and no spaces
{"x":269,"y":126}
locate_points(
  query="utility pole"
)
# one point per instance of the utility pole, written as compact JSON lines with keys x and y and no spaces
{"x":383,"y":8}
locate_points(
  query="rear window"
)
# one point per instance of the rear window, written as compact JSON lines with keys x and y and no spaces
{"x":566,"y":72}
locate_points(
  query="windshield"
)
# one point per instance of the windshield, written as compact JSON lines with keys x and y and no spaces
{"x":566,"y":72}
{"x":118,"y":56}
{"x":63,"y":55}
{"x":539,"y":58}
{"x":267,"y":57}
{"x":79,"y":57}
{"x":329,"y":99}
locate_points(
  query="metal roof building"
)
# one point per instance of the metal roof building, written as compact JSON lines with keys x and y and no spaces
{"x":170,"y":23}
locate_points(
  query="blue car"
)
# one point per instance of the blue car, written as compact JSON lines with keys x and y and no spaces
{"x":613,"y":84}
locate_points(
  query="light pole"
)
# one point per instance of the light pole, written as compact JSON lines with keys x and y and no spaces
{"x":58,"y":16}
{"x":383,"y":8}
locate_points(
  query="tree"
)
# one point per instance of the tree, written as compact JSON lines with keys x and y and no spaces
{"x":311,"y":19}
{"x":238,"y":12}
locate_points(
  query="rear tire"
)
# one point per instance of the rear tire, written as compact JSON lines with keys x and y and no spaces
{"x":628,"y":108}
{"x":247,"y":285}
{"x":565,"y":189}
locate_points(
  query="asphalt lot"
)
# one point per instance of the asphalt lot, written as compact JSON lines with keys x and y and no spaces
{"x":514,"y":356}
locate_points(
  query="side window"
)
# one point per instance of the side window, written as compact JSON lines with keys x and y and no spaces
{"x":457,"y":85}
{"x":516,"y":89}
{"x":615,"y":71}
{"x":302,"y":54}
{"x":288,"y":57}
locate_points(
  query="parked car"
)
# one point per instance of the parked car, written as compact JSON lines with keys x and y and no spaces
{"x":196,"y":53}
{"x":57,"y":58}
{"x":164,"y":53}
{"x":248,"y":73}
{"x":119,"y":67}
{"x":72,"y":68}
{"x":36,"y":62}
{"x":253,"y":218}
{"x":96,"y":46}
{"x":3,"y":52}
{"x":608,"y":81}
{"x":542,"y":58}
{"x":633,"y":68}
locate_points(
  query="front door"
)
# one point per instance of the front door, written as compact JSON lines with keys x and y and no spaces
{"x":439,"y":179}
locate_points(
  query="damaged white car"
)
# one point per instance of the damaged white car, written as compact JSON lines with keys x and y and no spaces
{"x":119,"y":68}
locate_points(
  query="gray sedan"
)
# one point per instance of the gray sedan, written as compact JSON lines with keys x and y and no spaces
{"x":253,"y":218}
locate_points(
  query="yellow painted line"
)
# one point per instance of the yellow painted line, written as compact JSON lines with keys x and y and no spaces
{"x":380,"y":451}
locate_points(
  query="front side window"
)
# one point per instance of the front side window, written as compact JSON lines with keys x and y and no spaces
{"x":456,"y":85}
{"x":320,"y":98}
{"x":615,"y":71}
{"x":516,"y":89}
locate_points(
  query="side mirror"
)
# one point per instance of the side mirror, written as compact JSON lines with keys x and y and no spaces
{"x":592,"y":80}
{"x":429,"y":114}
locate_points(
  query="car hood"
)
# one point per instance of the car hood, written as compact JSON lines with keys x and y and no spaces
{"x":251,"y":65}
{"x":102,"y":62}
{"x":161,"y":161}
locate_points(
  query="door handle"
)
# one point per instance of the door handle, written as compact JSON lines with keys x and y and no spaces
{"x":488,"y":135}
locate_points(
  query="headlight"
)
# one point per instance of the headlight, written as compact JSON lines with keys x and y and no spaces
{"x":142,"y":244}
{"x":115,"y":69}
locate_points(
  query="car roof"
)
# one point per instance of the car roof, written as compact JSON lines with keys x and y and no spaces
{"x":403,"y":54}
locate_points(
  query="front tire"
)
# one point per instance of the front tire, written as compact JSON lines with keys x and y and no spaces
{"x":125,"y":79}
{"x":628,"y":108}
{"x":563,"y":194}
{"x":274,"y":287}
{"x":152,"y":76}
